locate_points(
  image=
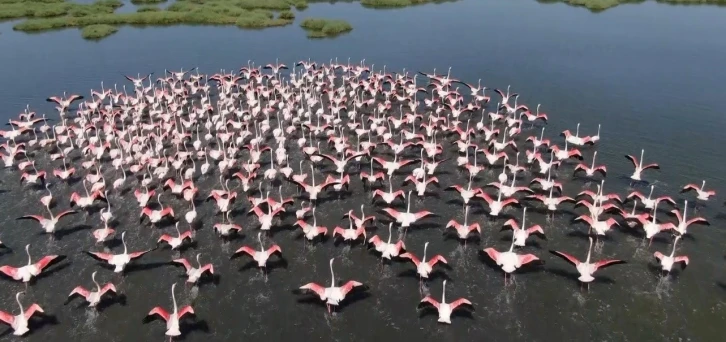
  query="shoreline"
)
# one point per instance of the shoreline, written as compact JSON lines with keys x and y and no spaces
{"x":104,"y":20}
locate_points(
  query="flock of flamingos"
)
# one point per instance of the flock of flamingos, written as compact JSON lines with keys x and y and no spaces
{"x":159,"y":137}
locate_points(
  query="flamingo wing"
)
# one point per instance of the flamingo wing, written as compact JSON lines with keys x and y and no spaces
{"x":632,"y":160}
{"x":182,"y":262}
{"x":392,"y":212}
{"x":274,"y":249}
{"x":605,"y":263}
{"x":79,"y":290}
{"x":43,"y":263}
{"x":135,"y":255}
{"x":535,"y":229}
{"x":492,"y":253}
{"x":437,"y":258}
{"x":7,"y":318}
{"x":108,"y":287}
{"x":697,"y":220}
{"x":32,"y":310}
{"x":159,"y":311}
{"x":347,"y":287}
{"x":567,"y":257}
{"x":33,"y":217}
{"x":461,"y":301}
{"x":431,"y":301}
{"x":652,"y":166}
{"x":187,"y":310}
{"x":10,"y":271}
{"x":683,"y":259}
{"x":411,"y":257}
{"x":319,"y":290}
{"x":67,"y":212}
{"x":527,"y":258}
{"x":658,"y":255}
{"x":244,"y":249}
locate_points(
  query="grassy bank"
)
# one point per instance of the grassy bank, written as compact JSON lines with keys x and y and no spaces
{"x":399,"y":3}
{"x":44,"y":15}
{"x":96,"y":32}
{"x":601,"y":5}
{"x":321,"y":28}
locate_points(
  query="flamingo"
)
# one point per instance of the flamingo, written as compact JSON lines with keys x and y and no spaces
{"x":463,"y":230}
{"x":521,"y":234}
{"x":702,"y":195}
{"x":639,"y":168}
{"x":683,"y":222}
{"x":332,"y":295}
{"x":387,"y":249}
{"x":312,"y":231}
{"x":93,"y":297}
{"x":509,"y":261}
{"x":590,"y":170}
{"x":194,"y":273}
{"x":172,"y":319}
{"x":119,"y":261}
{"x":423,"y":267}
{"x":587,"y":269}
{"x":103,"y":234}
{"x":48,"y":224}
{"x":350,"y":234}
{"x":496,"y":206}
{"x":31,"y":270}
{"x":19,"y":322}
{"x":391,"y":195}
{"x":667,"y":262}
{"x":176,"y":241}
{"x":445,"y":309}
{"x":652,"y":227}
{"x":262,"y":255}
{"x":651,"y":202}
{"x":407,"y":218}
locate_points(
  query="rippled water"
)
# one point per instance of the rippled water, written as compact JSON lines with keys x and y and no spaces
{"x":650,"y":74}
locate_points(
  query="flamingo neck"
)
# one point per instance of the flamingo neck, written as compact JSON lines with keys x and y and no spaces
{"x":17,"y":299}
{"x":173,"y":299}
{"x":93,"y":277}
{"x":27,"y":251}
{"x":673,"y":252}
{"x":443,"y":293}
{"x":332,"y":275}
{"x":589,"y":253}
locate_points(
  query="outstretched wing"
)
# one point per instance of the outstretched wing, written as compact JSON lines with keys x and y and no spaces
{"x":567,"y":257}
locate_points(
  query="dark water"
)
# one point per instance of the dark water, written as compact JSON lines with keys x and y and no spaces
{"x":650,"y":74}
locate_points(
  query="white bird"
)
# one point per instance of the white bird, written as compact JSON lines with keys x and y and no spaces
{"x":19,"y":323}
{"x":93,"y":297}
{"x":445,"y":309}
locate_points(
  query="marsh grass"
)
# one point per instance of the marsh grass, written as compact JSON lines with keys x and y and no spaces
{"x":146,"y":2}
{"x":601,"y":5}
{"x":287,"y":14}
{"x":399,"y":3}
{"x":96,"y":32}
{"x":148,"y":8}
{"x":320,"y":28}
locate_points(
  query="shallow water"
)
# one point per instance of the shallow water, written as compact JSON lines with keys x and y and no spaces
{"x":648,"y":73}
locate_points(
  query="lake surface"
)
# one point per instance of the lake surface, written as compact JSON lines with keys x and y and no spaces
{"x":651,"y":74}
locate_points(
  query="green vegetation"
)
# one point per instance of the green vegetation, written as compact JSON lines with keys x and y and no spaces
{"x":44,"y":15}
{"x":601,"y":5}
{"x":287,"y":14}
{"x":321,"y":28}
{"x":398,"y":3}
{"x":96,"y":32}
{"x":146,"y":2}
{"x":148,"y":8}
